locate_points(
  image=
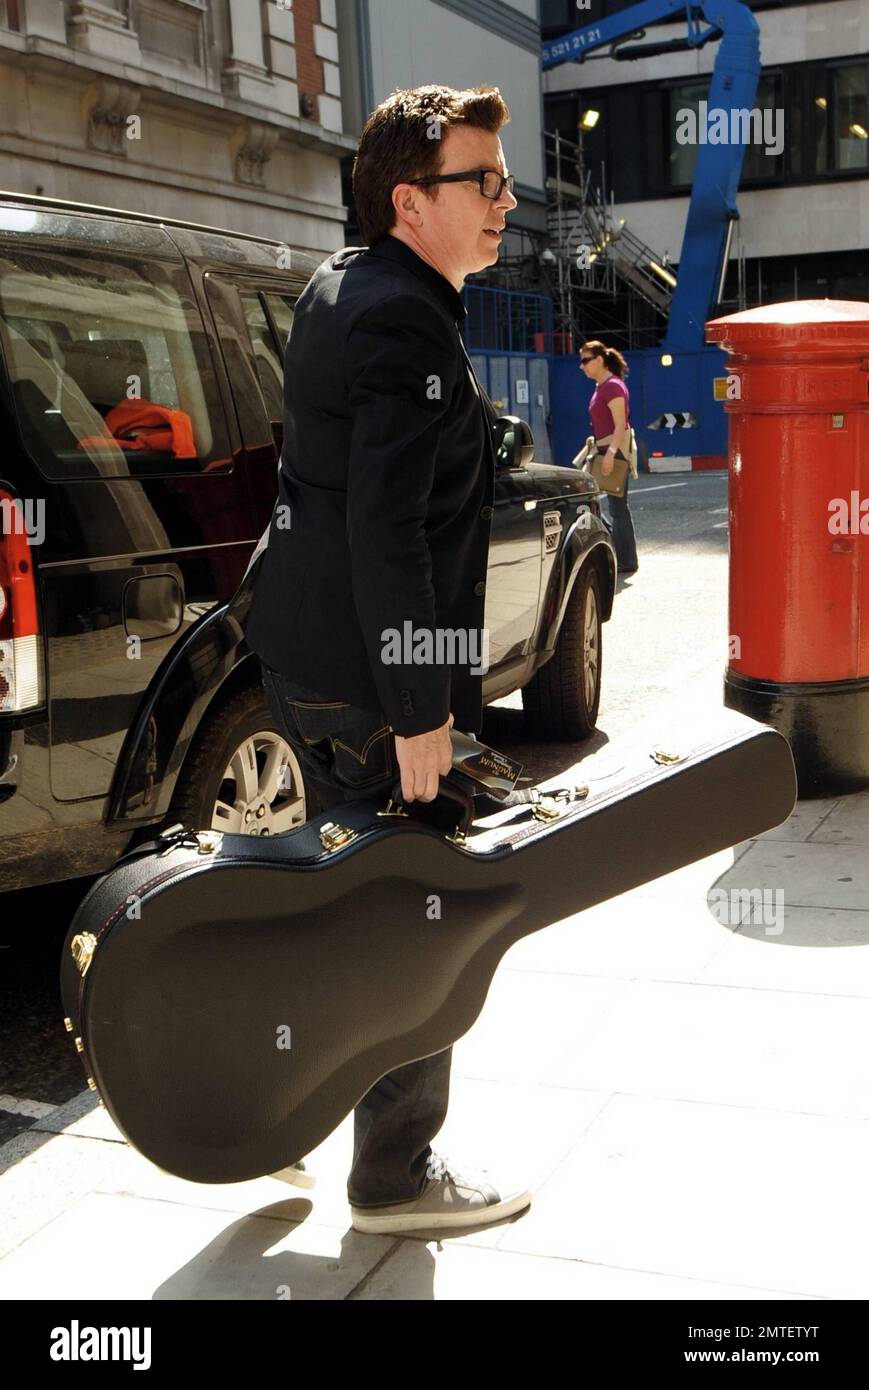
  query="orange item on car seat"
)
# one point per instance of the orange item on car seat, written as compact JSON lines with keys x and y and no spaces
{"x":144,"y":425}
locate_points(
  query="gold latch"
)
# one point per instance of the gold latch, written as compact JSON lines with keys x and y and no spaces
{"x":79,"y":1045}
{"x":551,"y":805}
{"x":83,"y":946}
{"x":334,"y":836}
{"x":92,"y":1083}
{"x":662,"y":755}
{"x":207,"y":841}
{"x":69,"y":1025}
{"x":393,"y":808}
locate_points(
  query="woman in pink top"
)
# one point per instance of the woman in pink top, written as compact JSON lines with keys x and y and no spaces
{"x":610,"y":410}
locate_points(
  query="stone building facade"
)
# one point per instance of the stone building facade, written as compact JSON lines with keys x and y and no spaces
{"x":225,"y":112}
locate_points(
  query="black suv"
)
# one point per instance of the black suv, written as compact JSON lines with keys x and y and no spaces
{"x":140,"y":390}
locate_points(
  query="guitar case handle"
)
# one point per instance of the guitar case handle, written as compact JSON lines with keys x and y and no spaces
{"x":454,"y":807}
{"x":451,"y":811}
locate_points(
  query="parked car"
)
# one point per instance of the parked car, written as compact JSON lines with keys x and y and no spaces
{"x":141,"y":391}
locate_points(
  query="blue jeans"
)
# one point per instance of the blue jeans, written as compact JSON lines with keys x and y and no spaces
{"x":347,"y":753}
{"x":623,"y":529}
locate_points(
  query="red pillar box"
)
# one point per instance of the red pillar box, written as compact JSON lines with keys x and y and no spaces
{"x":798,"y":412}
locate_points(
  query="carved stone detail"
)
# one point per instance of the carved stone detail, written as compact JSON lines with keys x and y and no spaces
{"x":106,"y":106}
{"x":252,"y":147}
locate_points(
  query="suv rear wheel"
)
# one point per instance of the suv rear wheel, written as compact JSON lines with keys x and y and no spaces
{"x":241,"y":775}
{"x":561,"y":701}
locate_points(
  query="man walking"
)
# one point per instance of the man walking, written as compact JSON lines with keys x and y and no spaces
{"x":383,"y":518}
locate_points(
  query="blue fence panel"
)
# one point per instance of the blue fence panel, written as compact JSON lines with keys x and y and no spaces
{"x":539,"y":407}
{"x":570,"y":394}
{"x":509,"y":338}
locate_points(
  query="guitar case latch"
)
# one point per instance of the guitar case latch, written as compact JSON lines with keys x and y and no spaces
{"x":334,"y":836}
{"x":666,"y":756}
{"x":82,"y":946}
{"x":551,"y":805}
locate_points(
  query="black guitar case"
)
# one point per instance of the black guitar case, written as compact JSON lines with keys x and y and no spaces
{"x":232,"y":997}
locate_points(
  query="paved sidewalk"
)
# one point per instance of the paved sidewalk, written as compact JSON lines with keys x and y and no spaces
{"x":688,"y":1097}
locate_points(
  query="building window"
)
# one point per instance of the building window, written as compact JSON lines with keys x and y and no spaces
{"x":683,"y":158}
{"x":764,"y":130}
{"x":817,"y":122}
{"x":819,"y":112}
{"x":560,"y":16}
{"x":173,"y":30}
{"x":850,"y":119}
{"x":807,"y":110}
{"x":557,"y":16}
{"x":10,"y":15}
{"x":757,"y":164}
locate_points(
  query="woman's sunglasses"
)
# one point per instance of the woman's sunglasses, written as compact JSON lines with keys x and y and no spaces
{"x":583,"y":360}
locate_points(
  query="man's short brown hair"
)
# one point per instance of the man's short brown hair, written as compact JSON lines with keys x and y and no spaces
{"x":401,"y":140}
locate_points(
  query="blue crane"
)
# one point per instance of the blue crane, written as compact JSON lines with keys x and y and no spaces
{"x":712,"y":210}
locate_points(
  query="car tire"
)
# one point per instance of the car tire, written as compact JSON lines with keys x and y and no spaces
{"x":227,"y":782}
{"x":562,"y":699}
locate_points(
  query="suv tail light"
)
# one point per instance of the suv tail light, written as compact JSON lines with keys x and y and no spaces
{"x":21,"y":680}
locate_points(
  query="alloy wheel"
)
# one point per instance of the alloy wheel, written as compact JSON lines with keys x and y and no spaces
{"x":262,"y":791}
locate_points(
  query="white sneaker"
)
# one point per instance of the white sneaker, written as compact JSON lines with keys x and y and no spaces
{"x":450,"y":1199}
{"x":297,"y":1174}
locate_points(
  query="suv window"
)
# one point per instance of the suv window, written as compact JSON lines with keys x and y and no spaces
{"x":281,"y":307}
{"x":109,"y":365}
{"x":269,"y":318}
{"x":269,"y":364}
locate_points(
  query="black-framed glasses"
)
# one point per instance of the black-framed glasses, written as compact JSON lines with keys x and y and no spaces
{"x":491,"y":181}
{"x":583,"y":360}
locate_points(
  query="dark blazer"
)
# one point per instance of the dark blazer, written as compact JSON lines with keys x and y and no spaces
{"x":385,"y":494}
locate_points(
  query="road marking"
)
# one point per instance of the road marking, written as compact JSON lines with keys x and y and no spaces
{"x":36,"y":1109}
{"x":716,"y":525}
{"x":659,"y":487}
